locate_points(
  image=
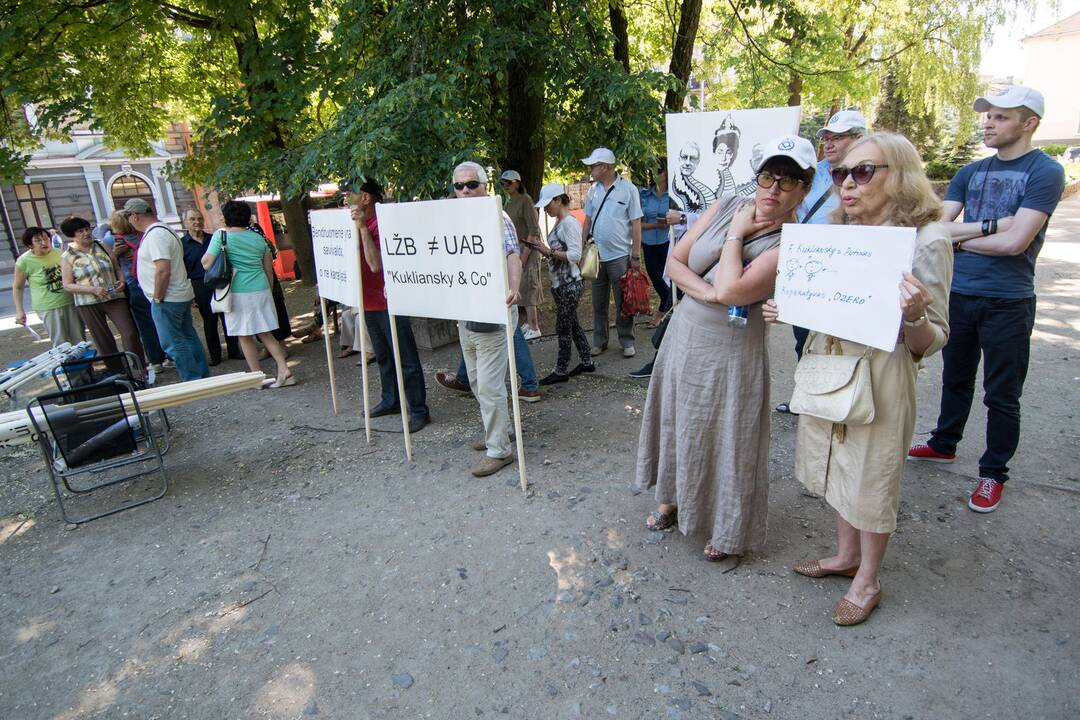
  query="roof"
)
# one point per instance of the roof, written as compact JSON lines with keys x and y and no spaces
{"x":1068,"y":26}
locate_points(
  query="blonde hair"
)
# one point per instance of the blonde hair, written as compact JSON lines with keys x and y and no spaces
{"x":912,"y":200}
{"x":119,"y":223}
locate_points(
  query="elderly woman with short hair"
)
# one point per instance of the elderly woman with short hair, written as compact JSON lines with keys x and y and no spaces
{"x":858,"y":468}
{"x":92,"y":275}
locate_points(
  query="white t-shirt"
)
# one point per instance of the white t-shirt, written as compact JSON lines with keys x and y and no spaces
{"x":160,"y":243}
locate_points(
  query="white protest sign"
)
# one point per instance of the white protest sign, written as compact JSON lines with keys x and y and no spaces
{"x":444,"y":258}
{"x":713,"y":153}
{"x":844,"y":280}
{"x":336,"y":244}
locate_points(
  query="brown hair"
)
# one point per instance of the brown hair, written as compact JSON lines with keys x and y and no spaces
{"x":912,"y":200}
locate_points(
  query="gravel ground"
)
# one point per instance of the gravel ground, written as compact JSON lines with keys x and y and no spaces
{"x":296,"y":571}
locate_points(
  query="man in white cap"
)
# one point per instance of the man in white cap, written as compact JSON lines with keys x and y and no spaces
{"x":842,"y":129}
{"x":1007,"y":199}
{"x":613,"y":221}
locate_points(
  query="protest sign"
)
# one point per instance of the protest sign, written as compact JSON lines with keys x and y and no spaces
{"x":714,"y":153}
{"x":844,"y":280}
{"x":444,"y":259}
{"x":336,"y":244}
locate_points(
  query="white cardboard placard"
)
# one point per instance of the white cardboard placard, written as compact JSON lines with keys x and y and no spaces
{"x":337,"y":246}
{"x":694,"y":184}
{"x":444,"y":258}
{"x":844,"y":280}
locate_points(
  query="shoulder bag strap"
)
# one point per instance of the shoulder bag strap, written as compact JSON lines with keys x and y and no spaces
{"x":817,"y":205}
{"x":600,"y":209}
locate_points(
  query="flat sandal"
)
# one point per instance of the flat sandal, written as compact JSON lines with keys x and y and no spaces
{"x":662,"y":521}
{"x":813,"y":569}
{"x":848,"y":613}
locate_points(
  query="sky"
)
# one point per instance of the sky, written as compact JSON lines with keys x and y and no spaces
{"x":1005,"y":55}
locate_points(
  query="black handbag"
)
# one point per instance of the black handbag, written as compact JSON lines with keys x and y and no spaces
{"x":219,"y":275}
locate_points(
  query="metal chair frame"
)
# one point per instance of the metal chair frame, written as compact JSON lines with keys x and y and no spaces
{"x":73,"y":413}
{"x":81,"y":372}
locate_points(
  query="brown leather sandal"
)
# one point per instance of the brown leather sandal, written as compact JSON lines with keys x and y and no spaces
{"x":848,"y":613}
{"x":813,"y":569}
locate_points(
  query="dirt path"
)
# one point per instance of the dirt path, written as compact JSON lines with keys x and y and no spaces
{"x":294,"y":571}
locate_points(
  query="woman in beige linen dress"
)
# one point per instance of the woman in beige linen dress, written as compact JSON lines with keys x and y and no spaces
{"x":858,"y":468}
{"x":704,"y":440}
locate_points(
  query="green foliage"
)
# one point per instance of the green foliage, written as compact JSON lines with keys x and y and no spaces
{"x":1054,"y":149}
{"x":894,"y":114}
{"x":942,"y":169}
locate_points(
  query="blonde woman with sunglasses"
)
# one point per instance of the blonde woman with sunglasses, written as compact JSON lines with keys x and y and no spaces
{"x":859,"y":468}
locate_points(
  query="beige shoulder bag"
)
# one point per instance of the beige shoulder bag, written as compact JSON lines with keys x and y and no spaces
{"x":834,"y":386}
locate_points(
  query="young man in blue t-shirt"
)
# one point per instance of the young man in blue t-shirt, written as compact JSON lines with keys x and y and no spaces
{"x":1007,"y":200}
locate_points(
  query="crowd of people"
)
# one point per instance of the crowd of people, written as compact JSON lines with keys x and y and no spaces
{"x":704,"y":438}
{"x":138,"y":278}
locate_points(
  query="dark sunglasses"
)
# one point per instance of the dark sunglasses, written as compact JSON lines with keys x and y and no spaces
{"x":861,"y":173}
{"x":767,"y":180}
{"x":471,"y":184}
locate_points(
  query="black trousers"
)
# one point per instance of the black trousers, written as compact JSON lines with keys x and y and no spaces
{"x":210,"y":319}
{"x":378,"y":327}
{"x":655,"y":260}
{"x":998,"y":331}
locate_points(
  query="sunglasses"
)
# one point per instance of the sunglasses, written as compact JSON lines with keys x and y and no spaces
{"x":767,"y":180}
{"x":861,"y":173}
{"x":471,"y":184}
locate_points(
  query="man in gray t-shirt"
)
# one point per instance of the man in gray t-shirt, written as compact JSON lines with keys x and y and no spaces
{"x":613,"y":221}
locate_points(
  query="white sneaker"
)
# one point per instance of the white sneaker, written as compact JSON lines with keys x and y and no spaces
{"x":629,"y":352}
{"x":168,"y":364}
{"x":530,"y":334}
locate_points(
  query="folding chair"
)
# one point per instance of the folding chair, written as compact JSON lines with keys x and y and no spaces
{"x":119,"y":365}
{"x":96,"y":429}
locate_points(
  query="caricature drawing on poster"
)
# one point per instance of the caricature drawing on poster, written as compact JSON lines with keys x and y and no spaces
{"x":716,"y":152}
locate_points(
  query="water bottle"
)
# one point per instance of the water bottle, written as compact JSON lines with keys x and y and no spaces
{"x":737,"y":315}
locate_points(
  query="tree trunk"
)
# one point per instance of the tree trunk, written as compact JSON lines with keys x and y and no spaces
{"x":682,"y":53}
{"x":523,"y":119}
{"x":619,"y":26}
{"x":795,"y":85}
{"x":296,"y":223}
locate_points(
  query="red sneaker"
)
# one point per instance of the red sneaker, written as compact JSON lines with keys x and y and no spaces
{"x":925,"y":452}
{"x":986,"y":496}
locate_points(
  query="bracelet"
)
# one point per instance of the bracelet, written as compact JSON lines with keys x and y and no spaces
{"x":917,"y":322}
{"x":993,"y":226}
{"x":733,"y":238}
{"x":985,"y":227}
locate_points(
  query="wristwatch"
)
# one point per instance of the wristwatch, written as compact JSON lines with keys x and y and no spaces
{"x":918,"y":322}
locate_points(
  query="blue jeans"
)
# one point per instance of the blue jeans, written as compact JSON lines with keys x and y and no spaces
{"x":378,"y":327}
{"x":177,"y":334}
{"x":140,"y":310}
{"x":522,"y":359}
{"x":997,"y":331}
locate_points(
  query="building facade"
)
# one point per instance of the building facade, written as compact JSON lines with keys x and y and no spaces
{"x":84,"y":177}
{"x":1052,"y":57}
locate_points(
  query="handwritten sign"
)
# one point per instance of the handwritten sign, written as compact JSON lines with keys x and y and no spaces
{"x":444,"y":258}
{"x":336,"y":243}
{"x":844,"y":280}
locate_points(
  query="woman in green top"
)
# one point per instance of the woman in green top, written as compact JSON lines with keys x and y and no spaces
{"x":39,"y":267}
{"x":253,"y":313}
{"x":92,"y":275}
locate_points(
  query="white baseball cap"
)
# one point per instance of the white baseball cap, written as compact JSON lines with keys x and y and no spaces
{"x":510,"y":175}
{"x":842,"y":122}
{"x":1012,"y":96}
{"x":600,"y":155}
{"x":549,"y":192}
{"x":797,"y":148}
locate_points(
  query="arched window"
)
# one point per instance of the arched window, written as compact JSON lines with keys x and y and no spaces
{"x":126,"y":187}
